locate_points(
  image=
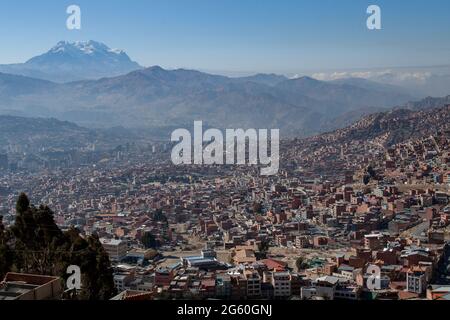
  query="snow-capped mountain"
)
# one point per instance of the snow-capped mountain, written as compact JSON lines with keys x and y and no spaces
{"x":82,"y":60}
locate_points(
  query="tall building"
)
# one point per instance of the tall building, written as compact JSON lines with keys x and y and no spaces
{"x":116,"y":249}
{"x":416,"y":282}
{"x":3,"y":161}
{"x":253,"y":283}
{"x":374,"y":241}
{"x":223,"y":285}
{"x":447,"y":178}
{"x":281,"y":282}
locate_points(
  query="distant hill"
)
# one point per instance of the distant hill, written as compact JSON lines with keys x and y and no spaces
{"x":159,"y":98}
{"x":343,"y":96}
{"x":372,"y":85}
{"x":434,"y":83}
{"x":14,"y":85}
{"x":43,"y":133}
{"x":267,"y":79}
{"x":394,"y":126}
{"x":428,"y":103}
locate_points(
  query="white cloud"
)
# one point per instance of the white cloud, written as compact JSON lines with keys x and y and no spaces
{"x":386,"y":75}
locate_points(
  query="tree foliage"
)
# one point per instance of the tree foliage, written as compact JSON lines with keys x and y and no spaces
{"x":6,"y":254}
{"x":159,"y":216}
{"x":370,"y":175}
{"x":301,"y":264}
{"x":149,"y":241}
{"x":263,"y":249}
{"x":257,"y":207}
{"x":40,"y":247}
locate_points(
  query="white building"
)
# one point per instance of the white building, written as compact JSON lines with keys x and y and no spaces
{"x":253,"y":284}
{"x":281,"y":282}
{"x":122,"y":281}
{"x":116,"y":249}
{"x":416,"y":282}
{"x":326,"y":287}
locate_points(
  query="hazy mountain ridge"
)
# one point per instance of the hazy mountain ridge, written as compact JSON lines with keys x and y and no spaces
{"x":267,"y":79}
{"x":42,"y":132}
{"x":351,"y":117}
{"x":428,"y":103}
{"x":343,"y":96}
{"x":394,"y":126}
{"x":50,"y":133}
{"x":383,"y":128}
{"x":155,"y":97}
{"x":371,"y":85}
{"x":420,"y":81}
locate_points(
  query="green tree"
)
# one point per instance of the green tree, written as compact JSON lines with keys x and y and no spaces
{"x":257,"y":207}
{"x":366,"y":179}
{"x":102,"y":278}
{"x":159,"y":216}
{"x":42,"y":248}
{"x":37,"y":238}
{"x":301,"y":264}
{"x":371,"y":172}
{"x":23,"y":203}
{"x":6,"y":254}
{"x":96,"y":271}
{"x":149,"y":241}
{"x":263,"y":248}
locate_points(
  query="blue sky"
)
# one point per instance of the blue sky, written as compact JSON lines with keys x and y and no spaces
{"x":238,"y":35}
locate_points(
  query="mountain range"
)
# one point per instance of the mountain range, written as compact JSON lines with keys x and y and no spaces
{"x":158,"y":98}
